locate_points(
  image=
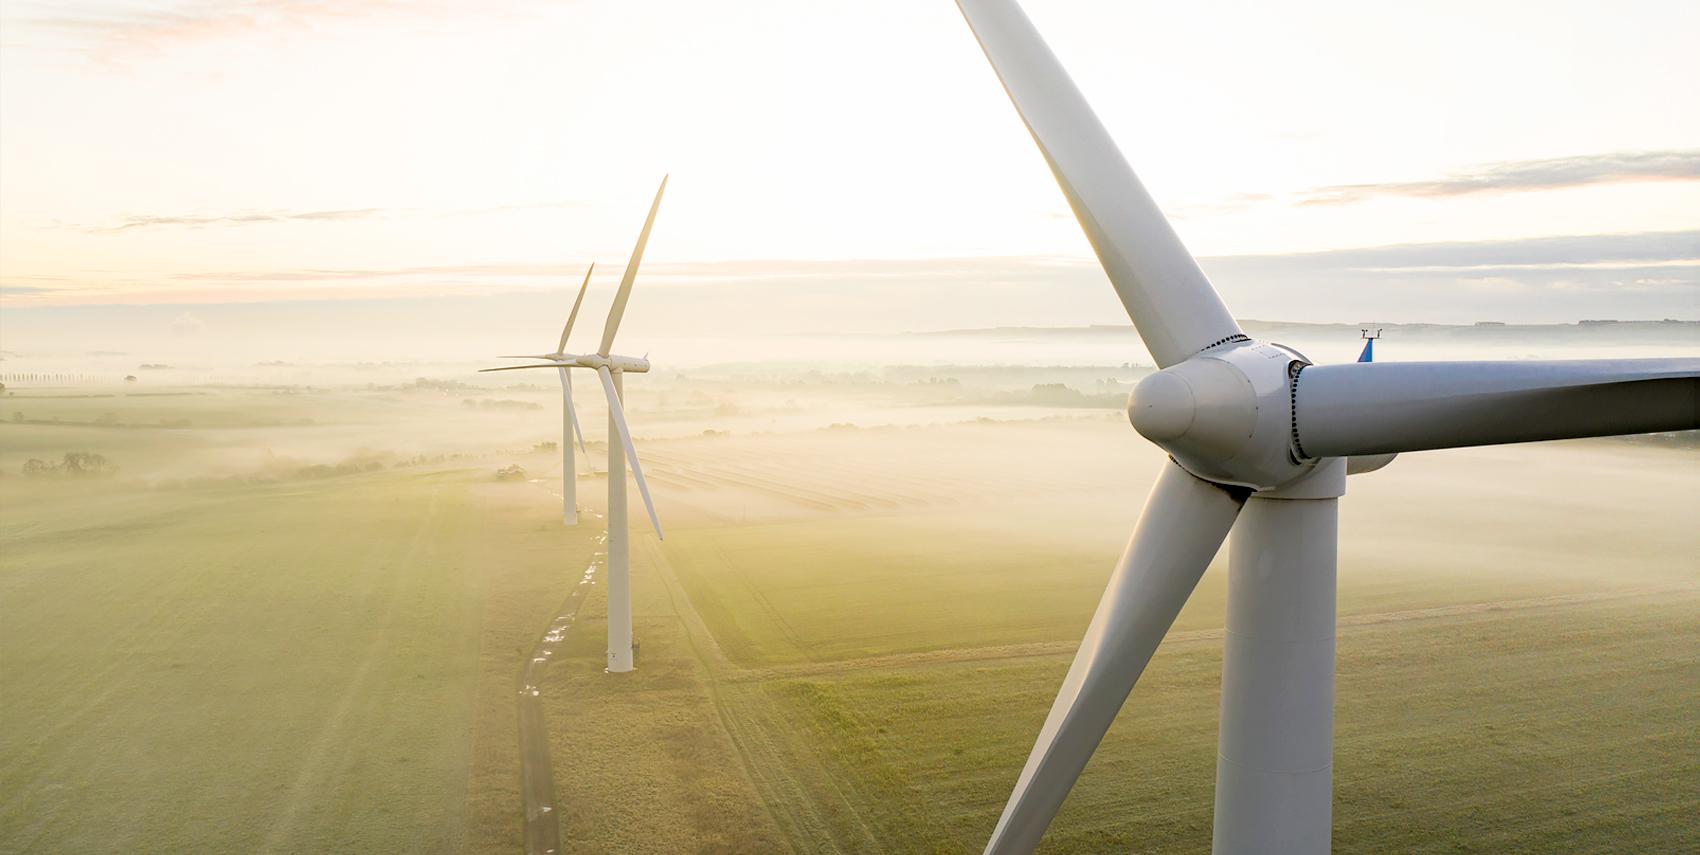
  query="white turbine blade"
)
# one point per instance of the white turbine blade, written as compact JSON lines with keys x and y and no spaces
{"x":518,"y":367}
{"x":1182,"y":527}
{"x":1169,"y":299}
{"x":1382,"y":407}
{"x":572,"y":412}
{"x":619,"y":417}
{"x":616,"y":311}
{"x":573,"y":315}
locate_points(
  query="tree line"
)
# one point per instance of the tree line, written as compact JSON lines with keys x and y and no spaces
{"x":45,"y":377}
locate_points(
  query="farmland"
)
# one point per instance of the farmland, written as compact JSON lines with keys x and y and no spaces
{"x":882,"y":642}
{"x":219,"y":649}
{"x":293,"y":619}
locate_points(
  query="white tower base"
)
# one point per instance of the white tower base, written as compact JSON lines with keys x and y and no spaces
{"x":619,"y":550}
{"x":1275,"y":761}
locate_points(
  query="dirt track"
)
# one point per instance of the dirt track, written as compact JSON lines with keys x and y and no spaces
{"x":537,"y":779}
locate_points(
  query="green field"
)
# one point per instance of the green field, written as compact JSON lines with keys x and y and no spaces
{"x":1527,"y":685}
{"x":263,"y":660}
{"x":297,"y":622}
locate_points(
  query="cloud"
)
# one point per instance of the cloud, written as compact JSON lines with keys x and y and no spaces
{"x":1641,"y":249}
{"x":109,"y":28}
{"x":1525,"y":175}
{"x":144,"y":221}
{"x":1604,"y":253}
{"x":8,"y":289}
{"x":249,"y":218}
{"x":1549,"y":279}
{"x":964,"y":269}
{"x":1492,"y":178}
{"x":344,"y":274}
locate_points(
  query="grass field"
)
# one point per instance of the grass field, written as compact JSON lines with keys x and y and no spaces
{"x":295,"y":623}
{"x":1522,"y":681}
{"x":265,"y":663}
{"x":1455,"y":745}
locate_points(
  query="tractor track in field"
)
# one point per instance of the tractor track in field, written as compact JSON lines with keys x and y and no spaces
{"x":536,"y":770}
{"x":319,"y":755}
{"x":748,"y":723}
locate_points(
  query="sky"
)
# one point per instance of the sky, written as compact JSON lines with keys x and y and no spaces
{"x":843,"y":167}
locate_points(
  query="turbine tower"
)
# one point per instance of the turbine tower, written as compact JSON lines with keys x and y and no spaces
{"x":1260,"y":443}
{"x":610,"y":369}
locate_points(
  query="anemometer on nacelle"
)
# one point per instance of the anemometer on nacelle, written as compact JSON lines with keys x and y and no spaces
{"x":1368,"y":354}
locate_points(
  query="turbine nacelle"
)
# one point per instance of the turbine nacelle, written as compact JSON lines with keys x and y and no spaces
{"x":623,"y":364}
{"x":1226,"y":414}
{"x":592,"y":361}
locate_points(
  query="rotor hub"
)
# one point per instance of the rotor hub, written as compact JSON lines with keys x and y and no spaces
{"x":1162,"y":407}
{"x":1225,"y":414}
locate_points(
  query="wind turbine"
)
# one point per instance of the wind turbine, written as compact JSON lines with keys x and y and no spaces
{"x":1260,"y":442}
{"x":610,"y":369}
{"x":569,"y":418}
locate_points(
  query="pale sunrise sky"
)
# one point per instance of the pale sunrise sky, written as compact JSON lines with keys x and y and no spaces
{"x":1525,"y":161}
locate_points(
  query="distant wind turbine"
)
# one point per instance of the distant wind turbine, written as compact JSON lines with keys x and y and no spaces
{"x":1260,"y":442}
{"x":569,"y":418}
{"x":610,"y":369}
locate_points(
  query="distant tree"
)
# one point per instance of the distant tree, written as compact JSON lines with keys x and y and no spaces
{"x":85,"y":464}
{"x":1056,"y":394}
{"x":438,"y":385}
{"x":36,"y":467}
{"x":129,"y":378}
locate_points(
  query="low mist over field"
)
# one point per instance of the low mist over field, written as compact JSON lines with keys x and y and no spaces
{"x":354,"y":347}
{"x":297,"y":594}
{"x":200,"y":412}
